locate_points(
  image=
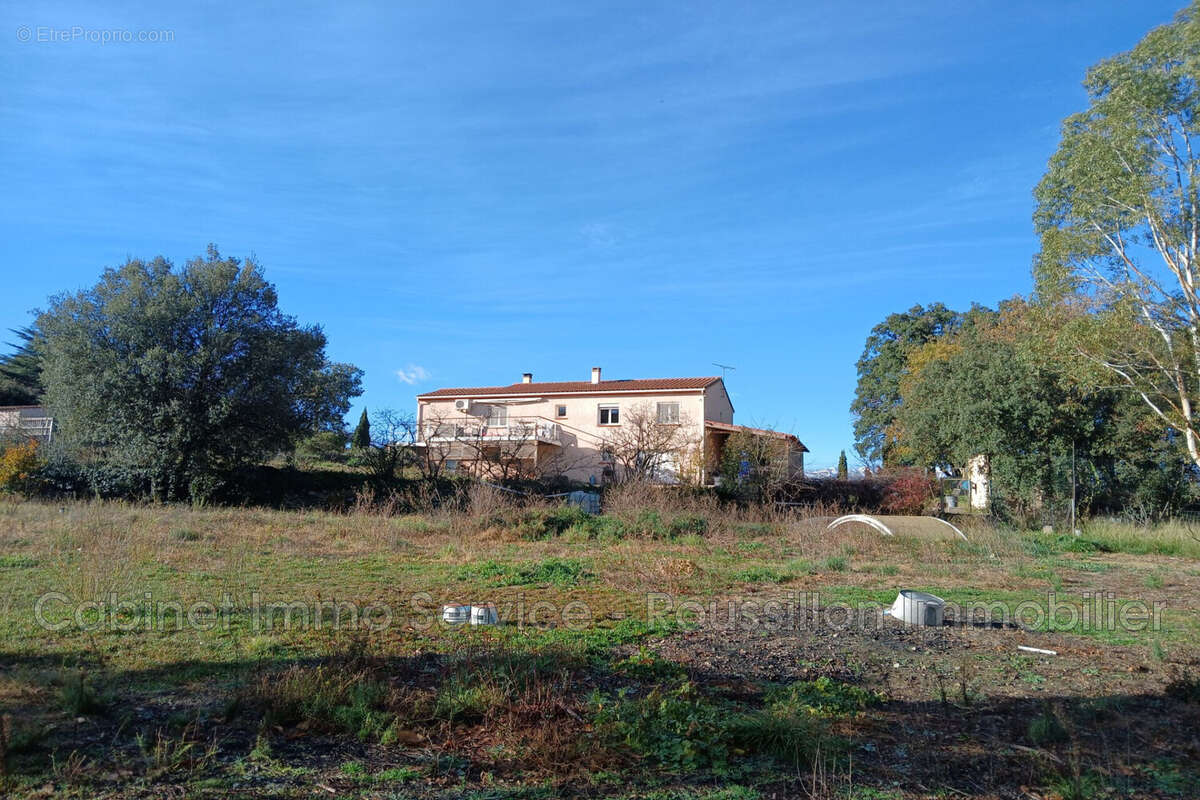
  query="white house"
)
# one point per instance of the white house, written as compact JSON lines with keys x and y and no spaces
{"x":572,"y":428}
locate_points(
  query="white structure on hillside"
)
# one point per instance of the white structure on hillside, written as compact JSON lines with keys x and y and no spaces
{"x":979,"y":473}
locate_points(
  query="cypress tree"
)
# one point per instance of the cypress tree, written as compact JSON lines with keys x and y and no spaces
{"x":843,"y":467}
{"x":362,"y":433}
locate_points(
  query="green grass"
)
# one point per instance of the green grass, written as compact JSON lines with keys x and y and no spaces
{"x":680,"y":728}
{"x":837,"y":564}
{"x":323,"y":695}
{"x":553,"y":571}
{"x":1166,"y":539}
{"x":764,"y":573}
{"x":288,"y":685}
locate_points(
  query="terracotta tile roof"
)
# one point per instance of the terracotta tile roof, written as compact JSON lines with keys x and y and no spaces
{"x":730,"y":428}
{"x":577,"y":387}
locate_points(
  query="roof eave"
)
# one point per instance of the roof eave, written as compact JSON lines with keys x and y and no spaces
{"x":453,"y":394}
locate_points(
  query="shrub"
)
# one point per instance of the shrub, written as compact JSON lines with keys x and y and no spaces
{"x":322,"y":446}
{"x":543,"y":523}
{"x":19,"y":466}
{"x":685,"y":524}
{"x":604,"y":527}
{"x":910,"y":491}
{"x":650,"y":523}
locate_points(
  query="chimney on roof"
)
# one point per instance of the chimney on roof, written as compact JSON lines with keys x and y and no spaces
{"x":526,"y":377}
{"x":595,"y":374}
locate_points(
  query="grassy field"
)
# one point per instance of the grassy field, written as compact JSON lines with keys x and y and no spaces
{"x":656,"y":652}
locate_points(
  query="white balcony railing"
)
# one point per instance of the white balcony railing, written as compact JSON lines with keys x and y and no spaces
{"x":516,"y":429}
{"x":28,"y":427}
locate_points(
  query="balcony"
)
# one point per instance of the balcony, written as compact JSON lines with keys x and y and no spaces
{"x":41,"y":428}
{"x":515,"y":429}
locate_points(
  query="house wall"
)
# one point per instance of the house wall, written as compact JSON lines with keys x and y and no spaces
{"x":583,"y":437}
{"x":795,"y":464}
{"x":717,"y":406}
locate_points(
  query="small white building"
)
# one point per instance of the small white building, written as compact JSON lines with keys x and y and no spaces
{"x":979,"y":473}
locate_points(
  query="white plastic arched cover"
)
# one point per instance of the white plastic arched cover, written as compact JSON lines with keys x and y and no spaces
{"x":880,"y":526}
{"x":864,"y":519}
{"x":952,"y":527}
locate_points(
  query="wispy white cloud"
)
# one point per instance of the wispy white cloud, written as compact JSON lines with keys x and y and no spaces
{"x":598,"y":234}
{"x":413,"y":374}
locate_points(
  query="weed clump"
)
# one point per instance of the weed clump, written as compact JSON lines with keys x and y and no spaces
{"x":823,"y":697}
{"x":546,"y":523}
{"x":1046,"y":728}
{"x":79,"y":695}
{"x":680,"y":728}
{"x":837,"y":564}
{"x":553,"y":571}
{"x":326,"y":696}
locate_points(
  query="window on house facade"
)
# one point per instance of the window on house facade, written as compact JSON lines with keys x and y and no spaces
{"x":560,"y":412}
{"x":497,"y":416}
{"x":668,"y":413}
{"x":610,"y":415}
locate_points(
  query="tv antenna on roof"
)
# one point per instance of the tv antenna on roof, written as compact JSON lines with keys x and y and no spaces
{"x":724,"y":368}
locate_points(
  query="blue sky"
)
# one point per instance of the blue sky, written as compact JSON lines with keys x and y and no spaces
{"x":462,"y":192}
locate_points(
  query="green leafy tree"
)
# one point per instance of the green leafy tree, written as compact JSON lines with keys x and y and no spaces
{"x":843,"y":468}
{"x":1119,"y":219}
{"x":996,"y":388}
{"x":880,"y":369}
{"x":361,"y":439}
{"x":175,"y":378}
{"x":21,"y":371}
{"x":326,"y":445}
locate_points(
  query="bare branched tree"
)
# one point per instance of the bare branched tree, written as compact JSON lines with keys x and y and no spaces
{"x":646,"y":448}
{"x":507,"y":456}
{"x":432,"y":447}
{"x":393,"y":436}
{"x":758,"y":463}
